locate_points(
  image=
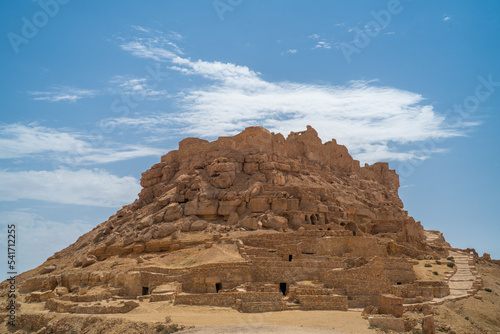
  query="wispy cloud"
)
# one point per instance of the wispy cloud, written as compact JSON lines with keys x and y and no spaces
{"x":81,"y":187}
{"x":446,"y":17}
{"x":375,"y":122}
{"x":62,"y":94}
{"x":136,"y":86}
{"x":292,"y":51}
{"x":18,"y":140}
{"x":314,"y":36}
{"x":139,"y":28}
{"x":32,"y":140}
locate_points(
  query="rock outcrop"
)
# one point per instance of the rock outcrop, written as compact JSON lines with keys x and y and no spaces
{"x":241,"y":221}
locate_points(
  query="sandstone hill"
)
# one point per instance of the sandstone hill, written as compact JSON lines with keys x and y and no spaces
{"x":258,"y":222}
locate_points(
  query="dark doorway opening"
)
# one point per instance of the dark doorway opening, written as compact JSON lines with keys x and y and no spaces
{"x":399,"y":283}
{"x":145,"y":290}
{"x":290,"y":257}
{"x":283,"y":288}
{"x":218,"y":287}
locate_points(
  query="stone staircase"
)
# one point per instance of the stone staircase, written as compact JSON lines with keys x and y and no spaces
{"x":464,"y":282}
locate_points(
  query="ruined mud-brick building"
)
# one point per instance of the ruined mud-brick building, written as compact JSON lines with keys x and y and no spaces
{"x":257,"y":222}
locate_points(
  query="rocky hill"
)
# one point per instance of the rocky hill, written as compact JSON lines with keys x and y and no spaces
{"x":257,"y":222}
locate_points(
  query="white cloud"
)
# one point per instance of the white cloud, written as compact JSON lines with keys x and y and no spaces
{"x":82,"y":187}
{"x":373,"y":121}
{"x":446,"y":17}
{"x":62,"y":94}
{"x":106,"y":155}
{"x":21,"y":141}
{"x":138,"y":87}
{"x":38,"y":238}
{"x":322,"y":45}
{"x":314,"y":36}
{"x":292,"y":51}
{"x":142,"y":29}
{"x":18,"y":140}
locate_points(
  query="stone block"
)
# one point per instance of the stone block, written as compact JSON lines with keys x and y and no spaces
{"x":279,"y":204}
{"x":275,"y":222}
{"x":258,"y":205}
{"x":249,"y":223}
{"x":293,"y":204}
{"x":173,"y":212}
{"x":48,"y":269}
{"x":199,"y":225}
{"x":233,"y":218}
{"x":164,"y":230}
{"x":228,"y":207}
{"x":390,"y":304}
{"x":250,"y":168}
{"x":428,"y":326}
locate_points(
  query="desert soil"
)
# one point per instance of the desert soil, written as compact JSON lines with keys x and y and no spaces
{"x":214,"y":320}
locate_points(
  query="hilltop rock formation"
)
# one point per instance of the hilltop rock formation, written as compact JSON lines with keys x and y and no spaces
{"x":245,"y":220}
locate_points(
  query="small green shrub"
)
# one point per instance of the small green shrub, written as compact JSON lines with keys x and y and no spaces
{"x":450,"y":264}
{"x":488,"y":290}
{"x":466,"y":318}
{"x":435,"y":273}
{"x":171,"y":329}
{"x":450,"y":258}
{"x":438,"y":262}
{"x":373,"y":327}
{"x":439,"y":329}
{"x":427,"y":265}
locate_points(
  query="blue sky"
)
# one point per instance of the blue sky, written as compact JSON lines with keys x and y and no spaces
{"x":93,"y":93}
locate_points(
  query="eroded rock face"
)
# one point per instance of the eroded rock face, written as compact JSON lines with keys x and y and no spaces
{"x":305,"y":192}
{"x":295,"y":181}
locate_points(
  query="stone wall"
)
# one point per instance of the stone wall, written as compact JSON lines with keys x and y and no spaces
{"x":267,"y":306}
{"x":390,"y":304}
{"x":99,"y":308}
{"x":323,"y":302}
{"x":227,"y":299}
{"x":419,"y":291}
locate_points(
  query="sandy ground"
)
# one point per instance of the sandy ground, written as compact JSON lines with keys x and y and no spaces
{"x":206,"y":316}
{"x":208,"y":319}
{"x":479,"y":314}
{"x":426,"y":273}
{"x":249,"y":329}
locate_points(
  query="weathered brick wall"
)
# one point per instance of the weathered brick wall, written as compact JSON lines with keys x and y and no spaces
{"x":213,"y":299}
{"x":253,"y":307}
{"x":363,"y":300}
{"x":161,"y":297}
{"x":323,"y":302}
{"x":390,"y":304}
{"x":227,"y":299}
{"x":399,"y":270}
{"x":426,"y":289}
